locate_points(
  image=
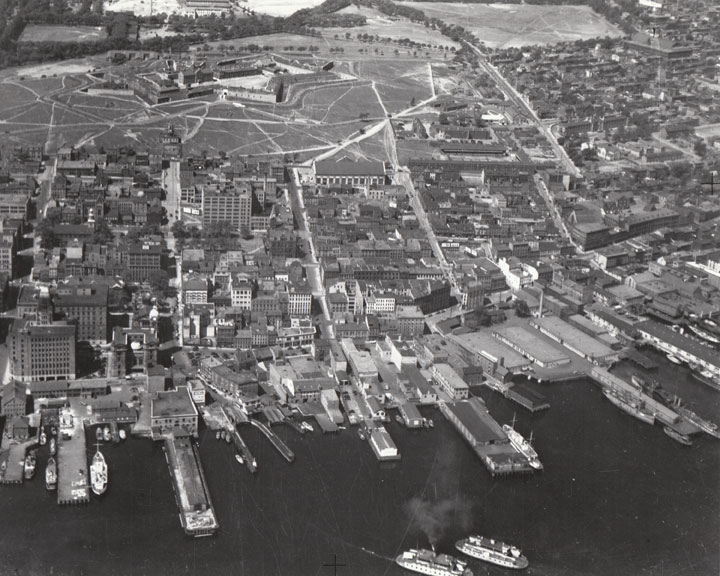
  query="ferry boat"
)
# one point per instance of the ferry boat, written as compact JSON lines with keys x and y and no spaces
{"x":239,"y":459}
{"x":522,"y":446}
{"x":98,"y":473}
{"x":674,"y":359}
{"x":107,"y":436}
{"x":427,"y":562}
{"x":51,"y":474}
{"x":677,"y":436}
{"x":492,"y":551}
{"x":632,"y":406}
{"x":53,"y":446}
{"x":30,"y":462}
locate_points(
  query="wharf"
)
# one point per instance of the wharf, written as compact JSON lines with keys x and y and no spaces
{"x":275,"y":440}
{"x":519,"y":393}
{"x":485,"y":436}
{"x":640,"y":359}
{"x":191,"y":493}
{"x":273,"y":415}
{"x":326,"y":425}
{"x":382,"y":444}
{"x":527,"y":398}
{"x":73,"y":486}
{"x":15,"y":466}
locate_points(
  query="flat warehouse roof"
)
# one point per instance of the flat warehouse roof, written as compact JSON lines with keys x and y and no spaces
{"x":574,"y":336}
{"x":530,"y":343}
{"x":479,"y":342}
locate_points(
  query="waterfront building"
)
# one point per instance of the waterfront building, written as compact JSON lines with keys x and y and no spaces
{"x":14,"y":401}
{"x":449,"y":381}
{"x":132,"y":350}
{"x":174,"y":409}
{"x":41,"y":351}
{"x":87,"y":304}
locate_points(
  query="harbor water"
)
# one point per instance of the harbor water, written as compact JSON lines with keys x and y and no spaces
{"x":616,"y":497}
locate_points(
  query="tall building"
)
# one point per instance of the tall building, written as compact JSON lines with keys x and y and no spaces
{"x":87,"y":303}
{"x":234,"y":206}
{"x":41,"y":351}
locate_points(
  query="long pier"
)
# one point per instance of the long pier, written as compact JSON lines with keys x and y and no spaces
{"x":239,"y":443}
{"x":73,"y":486}
{"x":275,"y":440}
{"x":197,"y":516}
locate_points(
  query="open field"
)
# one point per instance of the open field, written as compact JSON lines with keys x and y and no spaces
{"x":280,"y":7}
{"x":398,"y":81}
{"x":509,"y":25}
{"x":339,"y":104}
{"x":43,"y":33}
{"x":378,"y":24}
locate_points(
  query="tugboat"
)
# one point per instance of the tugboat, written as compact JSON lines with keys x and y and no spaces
{"x":122,"y":434}
{"x":239,"y":459}
{"x":677,"y":436}
{"x":361,"y":433}
{"x":107,"y":436}
{"x":492,"y":551}
{"x":431,"y":424}
{"x":98,"y":473}
{"x":43,"y":438}
{"x":30,"y":463}
{"x":53,"y":446}
{"x":307,"y":427}
{"x":674,"y":359}
{"x":51,"y":475}
{"x":427,"y":562}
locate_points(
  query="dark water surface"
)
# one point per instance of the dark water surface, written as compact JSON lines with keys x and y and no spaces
{"x":617,"y":497}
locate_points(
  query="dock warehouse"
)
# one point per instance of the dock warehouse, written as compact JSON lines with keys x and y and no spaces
{"x":575,"y":340}
{"x":488,"y":351}
{"x":474,"y":423}
{"x":529,"y":345}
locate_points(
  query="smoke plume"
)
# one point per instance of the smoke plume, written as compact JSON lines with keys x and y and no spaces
{"x":434,"y":518}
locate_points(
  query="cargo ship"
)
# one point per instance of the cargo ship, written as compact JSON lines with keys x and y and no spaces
{"x":492,"y":551}
{"x":427,"y":562}
{"x":522,"y":446}
{"x":51,"y":474}
{"x":98,"y":473}
{"x":677,"y":436}
{"x":630,"y":405}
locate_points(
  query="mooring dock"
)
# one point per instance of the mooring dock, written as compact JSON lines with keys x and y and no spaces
{"x":471,"y":419}
{"x":197,"y":516}
{"x":73,"y":486}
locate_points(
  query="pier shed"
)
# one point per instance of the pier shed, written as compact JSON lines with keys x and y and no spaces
{"x":529,"y":345}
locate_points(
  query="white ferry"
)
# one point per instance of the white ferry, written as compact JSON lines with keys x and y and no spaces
{"x":427,"y":562}
{"x":492,"y":551}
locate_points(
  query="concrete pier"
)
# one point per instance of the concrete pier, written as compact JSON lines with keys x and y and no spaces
{"x":73,"y":485}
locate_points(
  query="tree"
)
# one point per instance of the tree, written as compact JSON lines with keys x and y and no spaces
{"x":159,"y":279}
{"x":103,"y":233}
{"x":522,"y":309}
